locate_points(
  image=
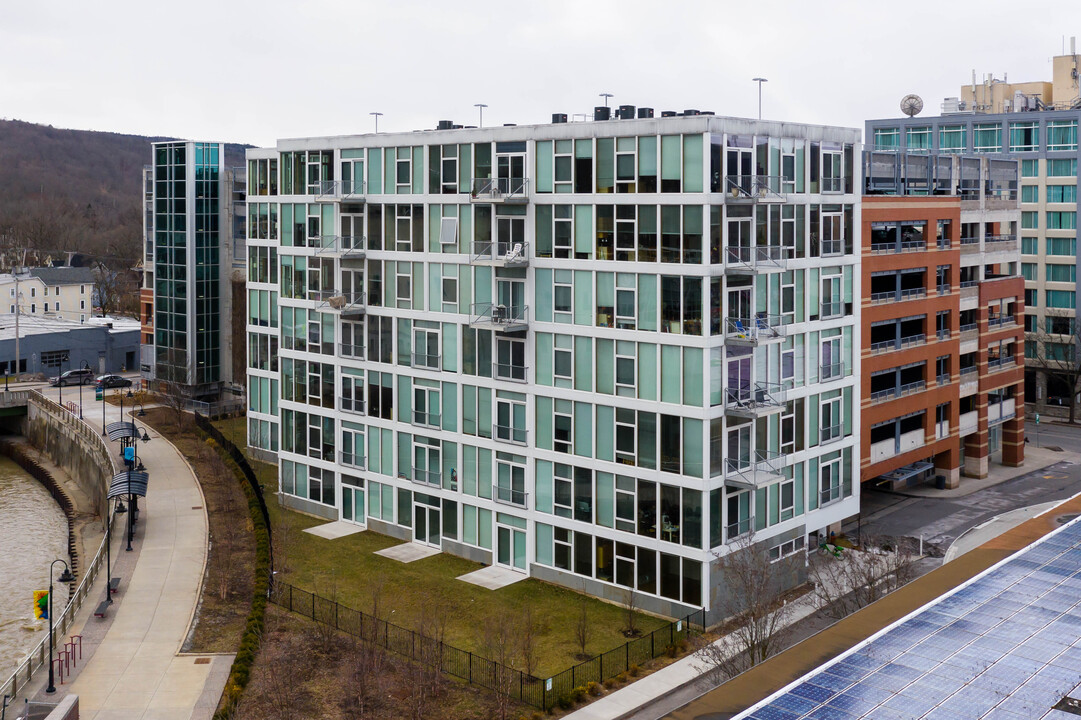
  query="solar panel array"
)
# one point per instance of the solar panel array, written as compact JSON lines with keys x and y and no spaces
{"x":1007,"y":646}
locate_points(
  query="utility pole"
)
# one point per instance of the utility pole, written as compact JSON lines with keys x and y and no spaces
{"x":17,"y":296}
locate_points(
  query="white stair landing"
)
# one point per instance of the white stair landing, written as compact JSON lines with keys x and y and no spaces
{"x":335,"y":530}
{"x":493,"y":577}
{"x":408,"y":552}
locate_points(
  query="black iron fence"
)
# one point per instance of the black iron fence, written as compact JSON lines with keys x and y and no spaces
{"x":539,"y":692}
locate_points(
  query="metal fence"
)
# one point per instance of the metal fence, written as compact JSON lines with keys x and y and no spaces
{"x":539,"y":692}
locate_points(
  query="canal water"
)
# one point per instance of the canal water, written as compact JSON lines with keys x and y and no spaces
{"x":33,"y":533}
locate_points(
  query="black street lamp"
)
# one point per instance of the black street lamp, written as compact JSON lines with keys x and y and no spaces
{"x":60,"y":382}
{"x":65,"y":577}
{"x":85,"y":366}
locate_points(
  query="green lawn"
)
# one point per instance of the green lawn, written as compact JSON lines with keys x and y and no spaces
{"x":348,"y":569}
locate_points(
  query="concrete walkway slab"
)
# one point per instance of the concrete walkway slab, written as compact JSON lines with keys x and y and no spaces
{"x":1036,"y":458}
{"x":408,"y":552}
{"x":335,"y":530}
{"x":493,"y":577}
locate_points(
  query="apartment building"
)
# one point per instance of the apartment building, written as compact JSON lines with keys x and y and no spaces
{"x":599,"y":353}
{"x":943,"y":304}
{"x":1036,"y":124}
{"x":62,"y":293}
{"x":193,"y":212}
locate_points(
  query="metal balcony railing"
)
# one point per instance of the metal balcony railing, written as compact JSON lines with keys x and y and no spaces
{"x":760,"y":257}
{"x":1001,"y":362}
{"x":832,"y":309}
{"x":967,"y":371}
{"x":427,"y":419}
{"x":969,"y":326}
{"x":330,"y":190}
{"x":509,"y":371}
{"x":833,"y":184}
{"x":505,"y":254}
{"x":738,"y":529}
{"x":763,"y":396}
{"x":970,"y":240}
{"x":756,"y":329}
{"x":499,"y":317}
{"x":832,"y":371}
{"x":352,"y":405}
{"x":757,"y":187}
{"x":344,"y":303}
{"x":352,"y":460}
{"x":425,"y":476}
{"x":965,"y":284}
{"x":426,"y":361}
{"x":829,"y":495}
{"x":832,"y":247}
{"x":343,"y":245}
{"x":898,"y":296}
{"x":829,"y":433}
{"x":760,"y":469}
{"x":510,"y":434}
{"x":510,"y":496}
{"x":499,"y":190}
{"x":351,"y":350}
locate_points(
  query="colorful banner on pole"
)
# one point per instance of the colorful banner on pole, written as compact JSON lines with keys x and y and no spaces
{"x":41,"y":604}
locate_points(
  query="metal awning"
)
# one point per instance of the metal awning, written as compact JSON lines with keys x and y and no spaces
{"x":121,"y":430}
{"x":130,"y":482}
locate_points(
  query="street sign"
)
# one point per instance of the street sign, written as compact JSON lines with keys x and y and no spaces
{"x":1037,"y":418}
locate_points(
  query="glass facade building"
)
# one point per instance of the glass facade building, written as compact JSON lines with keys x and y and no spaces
{"x":604,"y":354}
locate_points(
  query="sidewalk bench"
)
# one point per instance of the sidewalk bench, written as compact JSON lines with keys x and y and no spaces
{"x":102,"y":608}
{"x":114,"y":584}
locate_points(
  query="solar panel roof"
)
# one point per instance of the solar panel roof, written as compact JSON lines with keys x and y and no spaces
{"x":1004,"y":646}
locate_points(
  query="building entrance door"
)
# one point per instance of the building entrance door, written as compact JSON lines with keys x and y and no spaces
{"x":426,"y":519}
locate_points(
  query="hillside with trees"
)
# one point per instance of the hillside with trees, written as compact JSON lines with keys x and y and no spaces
{"x":73,"y":190}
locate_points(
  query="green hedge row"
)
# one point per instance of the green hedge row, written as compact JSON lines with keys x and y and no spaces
{"x":240,"y":673}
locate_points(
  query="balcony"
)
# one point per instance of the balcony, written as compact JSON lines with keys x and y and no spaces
{"x":339,"y":190}
{"x":831,"y":371}
{"x":510,"y":371}
{"x":754,"y":260}
{"x":500,"y":254}
{"x":761,"y":400}
{"x":970,"y":331}
{"x":427,"y":361}
{"x":970,"y":380}
{"x":500,"y":318}
{"x":968,"y":423}
{"x":352,"y":405}
{"x":352,"y":460}
{"x":756,"y":188}
{"x":756,"y":472}
{"x":423,"y":476}
{"x":1000,"y":243}
{"x":345,"y":304}
{"x":832,"y":309}
{"x":970,"y":245}
{"x":346,"y":247}
{"x":499,"y":190}
{"x":905,"y":342}
{"x":1005,"y":362}
{"x":510,"y":434}
{"x":943,"y":379}
{"x":898,"y":391}
{"x":1001,"y":321}
{"x":351,"y":351}
{"x":891,"y":296}
{"x":754,"y":331}
{"x":510,"y":496}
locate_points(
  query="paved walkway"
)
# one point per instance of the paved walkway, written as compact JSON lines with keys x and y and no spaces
{"x":137,"y":671}
{"x":1036,"y":458}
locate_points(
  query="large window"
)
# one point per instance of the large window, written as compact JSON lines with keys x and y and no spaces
{"x":1061,"y":273}
{"x":1061,"y":246}
{"x":1024,"y":136}
{"x":1062,"y":168}
{"x":1062,"y":194}
{"x":887,"y":138}
{"x":1064,"y":299}
{"x":987,"y":138}
{"x":918,"y":138}
{"x":1030,"y":193}
{"x":1030,"y":246}
{"x":1062,"y":135}
{"x":1065,"y":220}
{"x":1030,"y":220}
{"x":952,"y":138}
{"x":1030,"y":168}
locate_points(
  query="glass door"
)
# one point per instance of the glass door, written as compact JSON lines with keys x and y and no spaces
{"x":739,"y":447}
{"x":740,"y":240}
{"x":510,"y":547}
{"x":511,"y":295}
{"x":510,"y":170}
{"x":740,"y":310}
{"x":509,"y":237}
{"x":740,"y":171}
{"x":425,"y":522}
{"x":353,"y":503}
{"x":739,"y":379}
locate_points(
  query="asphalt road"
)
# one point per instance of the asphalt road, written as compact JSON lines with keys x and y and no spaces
{"x":941,"y":520}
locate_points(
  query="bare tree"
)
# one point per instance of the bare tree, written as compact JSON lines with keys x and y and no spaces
{"x":527,"y":639}
{"x":367,"y":680}
{"x":757,"y":617}
{"x":1058,"y":354}
{"x":173,"y":396}
{"x":582,"y":628}
{"x":858,"y":578}
{"x":425,"y":678}
{"x":630,"y":603}
{"x":499,"y":642}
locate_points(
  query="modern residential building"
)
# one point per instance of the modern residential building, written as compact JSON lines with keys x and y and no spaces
{"x":601,"y":353}
{"x":1035,"y":123}
{"x":943,"y":303}
{"x":191,"y":205}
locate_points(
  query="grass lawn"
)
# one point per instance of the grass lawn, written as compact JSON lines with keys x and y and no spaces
{"x":347,"y":570}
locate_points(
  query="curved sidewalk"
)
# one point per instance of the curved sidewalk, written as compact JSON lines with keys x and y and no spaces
{"x":137,"y":671}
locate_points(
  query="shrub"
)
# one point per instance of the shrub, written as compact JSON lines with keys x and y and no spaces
{"x":621,"y":678}
{"x":609,"y":683}
{"x":565,"y":701}
{"x":578,"y":694}
{"x":593,"y":688}
{"x":634,"y":670}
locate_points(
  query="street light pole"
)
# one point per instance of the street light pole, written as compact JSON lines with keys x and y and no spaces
{"x":376,"y":115}
{"x":65,"y":577}
{"x":480,"y":107}
{"x":759,"y":80}
{"x":85,"y":365}
{"x":606,"y":96}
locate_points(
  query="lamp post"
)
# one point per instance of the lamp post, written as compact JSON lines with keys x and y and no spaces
{"x":376,"y":116}
{"x":85,"y":366}
{"x":65,"y":577}
{"x":480,"y":107}
{"x":60,"y":383}
{"x":102,"y":385}
{"x":759,"y":80}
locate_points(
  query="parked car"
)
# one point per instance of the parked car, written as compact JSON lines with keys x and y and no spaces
{"x":113,"y":381}
{"x":79,"y":376}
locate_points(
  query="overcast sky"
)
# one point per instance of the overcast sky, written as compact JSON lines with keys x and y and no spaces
{"x":255,"y":71}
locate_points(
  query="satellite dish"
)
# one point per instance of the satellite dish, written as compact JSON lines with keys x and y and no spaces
{"x":911,"y":105}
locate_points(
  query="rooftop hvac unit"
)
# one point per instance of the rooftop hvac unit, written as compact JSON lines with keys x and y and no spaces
{"x":445,"y":125}
{"x":602,"y":113}
{"x":644,"y":113}
{"x":558,"y":118}
{"x":668,"y":113}
{"x":626,"y":112}
{"x":689,"y":113}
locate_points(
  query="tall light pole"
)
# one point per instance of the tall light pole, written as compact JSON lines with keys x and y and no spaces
{"x":606,"y":96}
{"x":480,"y":107}
{"x":85,"y":366}
{"x":759,"y":80}
{"x":65,"y":577}
{"x":376,"y":116}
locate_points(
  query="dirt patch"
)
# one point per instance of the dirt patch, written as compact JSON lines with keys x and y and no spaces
{"x":227,"y":586}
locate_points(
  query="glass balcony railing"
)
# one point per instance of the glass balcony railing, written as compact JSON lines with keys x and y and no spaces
{"x":510,"y":496}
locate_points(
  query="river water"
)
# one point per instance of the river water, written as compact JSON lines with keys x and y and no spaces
{"x":33,"y":533}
